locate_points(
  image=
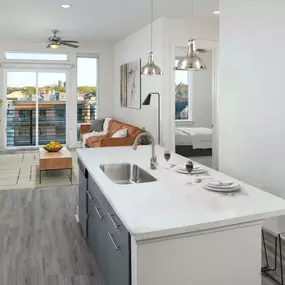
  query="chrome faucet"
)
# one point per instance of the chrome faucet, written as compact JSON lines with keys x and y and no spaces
{"x":153,"y":159}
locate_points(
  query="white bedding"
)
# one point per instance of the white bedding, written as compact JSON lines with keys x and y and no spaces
{"x":197,"y":137}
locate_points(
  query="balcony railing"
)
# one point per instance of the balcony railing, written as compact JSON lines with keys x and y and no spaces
{"x":21,"y":124}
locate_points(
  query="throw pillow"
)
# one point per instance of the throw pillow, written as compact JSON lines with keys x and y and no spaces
{"x":120,"y":134}
{"x":96,"y":125}
{"x":106,"y":124}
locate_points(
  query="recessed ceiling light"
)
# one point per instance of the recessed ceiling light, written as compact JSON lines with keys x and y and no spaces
{"x":216,"y":12}
{"x":65,"y":6}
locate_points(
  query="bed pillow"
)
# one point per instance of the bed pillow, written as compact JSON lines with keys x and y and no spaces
{"x":96,"y":125}
{"x":121,"y":133}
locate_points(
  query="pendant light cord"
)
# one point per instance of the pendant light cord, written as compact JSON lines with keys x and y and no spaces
{"x":151,"y":25}
{"x":192,"y":19}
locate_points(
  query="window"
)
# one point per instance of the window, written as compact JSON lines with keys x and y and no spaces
{"x":182,"y":95}
{"x":35,"y":56}
{"x":87,"y":72}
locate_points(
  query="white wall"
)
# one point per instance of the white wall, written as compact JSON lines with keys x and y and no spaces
{"x":200,"y":87}
{"x":137,"y":46}
{"x":134,"y":47}
{"x":105,"y":104}
{"x":251,"y":95}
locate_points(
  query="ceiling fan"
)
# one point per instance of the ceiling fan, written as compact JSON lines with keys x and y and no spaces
{"x":55,"y":41}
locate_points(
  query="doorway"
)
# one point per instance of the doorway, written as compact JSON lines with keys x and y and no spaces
{"x":194,"y":125}
{"x":35,"y":105}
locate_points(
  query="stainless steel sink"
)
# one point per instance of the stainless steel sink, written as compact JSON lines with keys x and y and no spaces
{"x":125,"y":173}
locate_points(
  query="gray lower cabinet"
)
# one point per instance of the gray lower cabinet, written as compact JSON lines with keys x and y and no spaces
{"x":108,"y":239}
{"x":82,"y":213}
{"x":118,"y":261}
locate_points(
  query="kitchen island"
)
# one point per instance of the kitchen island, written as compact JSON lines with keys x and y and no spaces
{"x":169,"y":231}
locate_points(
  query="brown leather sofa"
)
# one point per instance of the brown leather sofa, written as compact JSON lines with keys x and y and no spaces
{"x":107,"y":140}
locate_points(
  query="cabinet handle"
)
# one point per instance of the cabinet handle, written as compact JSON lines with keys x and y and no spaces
{"x":112,"y":220}
{"x":89,"y":196}
{"x":117,"y":247}
{"x":97,"y":211}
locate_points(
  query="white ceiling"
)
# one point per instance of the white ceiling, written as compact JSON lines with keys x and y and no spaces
{"x":91,"y":20}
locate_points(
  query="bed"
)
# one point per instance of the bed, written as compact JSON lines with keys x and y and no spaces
{"x":193,"y":141}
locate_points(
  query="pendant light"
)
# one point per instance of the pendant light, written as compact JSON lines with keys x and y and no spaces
{"x":217,"y":10}
{"x":191,"y":61}
{"x":151,"y":68}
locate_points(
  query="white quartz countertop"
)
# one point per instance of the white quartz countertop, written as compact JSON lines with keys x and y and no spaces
{"x":172,"y":206}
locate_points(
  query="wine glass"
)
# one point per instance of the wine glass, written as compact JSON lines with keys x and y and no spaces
{"x":167,"y":156}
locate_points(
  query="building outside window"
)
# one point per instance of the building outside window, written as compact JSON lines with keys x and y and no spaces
{"x":182,"y":95}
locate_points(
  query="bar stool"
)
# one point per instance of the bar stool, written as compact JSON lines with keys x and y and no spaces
{"x":276,"y":228}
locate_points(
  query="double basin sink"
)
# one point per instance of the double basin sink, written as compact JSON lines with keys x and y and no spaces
{"x":126,"y":173}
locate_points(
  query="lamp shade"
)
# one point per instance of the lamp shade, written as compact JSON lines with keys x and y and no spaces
{"x":151,"y":68}
{"x":191,"y":61}
{"x":147,"y":100}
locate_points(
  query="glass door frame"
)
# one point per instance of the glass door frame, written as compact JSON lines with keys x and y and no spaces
{"x":4,"y":103}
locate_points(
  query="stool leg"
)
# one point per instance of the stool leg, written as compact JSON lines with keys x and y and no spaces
{"x":266,"y":271}
{"x":265,"y":250}
{"x":281,"y":259}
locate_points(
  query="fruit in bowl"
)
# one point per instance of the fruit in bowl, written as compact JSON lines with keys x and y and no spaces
{"x":53,"y":146}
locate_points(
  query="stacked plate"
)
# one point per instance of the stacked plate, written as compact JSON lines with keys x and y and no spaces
{"x":197,"y":169}
{"x":222,"y":186}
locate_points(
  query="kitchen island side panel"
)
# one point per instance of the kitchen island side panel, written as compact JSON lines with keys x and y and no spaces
{"x":229,"y":256}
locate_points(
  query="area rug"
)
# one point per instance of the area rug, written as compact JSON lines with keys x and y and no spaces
{"x":21,"y":170}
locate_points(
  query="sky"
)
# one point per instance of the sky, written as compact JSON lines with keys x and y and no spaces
{"x":86,"y":76}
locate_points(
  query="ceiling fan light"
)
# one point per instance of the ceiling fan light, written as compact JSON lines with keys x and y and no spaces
{"x":54,"y":45}
{"x":151,"y":68}
{"x":191,"y":61}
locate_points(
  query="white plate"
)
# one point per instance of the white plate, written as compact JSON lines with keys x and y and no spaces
{"x":237,"y":188}
{"x":223,"y":184}
{"x":183,"y":166}
{"x":198,"y":171}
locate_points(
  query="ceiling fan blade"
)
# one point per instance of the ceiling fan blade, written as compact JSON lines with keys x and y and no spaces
{"x":201,"y":50}
{"x":75,"y":42}
{"x":69,"y":45}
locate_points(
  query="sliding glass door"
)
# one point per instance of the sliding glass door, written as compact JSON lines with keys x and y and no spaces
{"x":21,"y":109}
{"x":52,"y":107}
{"x":35,"y":108}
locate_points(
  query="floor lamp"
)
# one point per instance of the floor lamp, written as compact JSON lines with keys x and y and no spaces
{"x":147,"y":102}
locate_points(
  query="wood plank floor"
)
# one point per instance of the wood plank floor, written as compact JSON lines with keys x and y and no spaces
{"x":40,"y":241}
